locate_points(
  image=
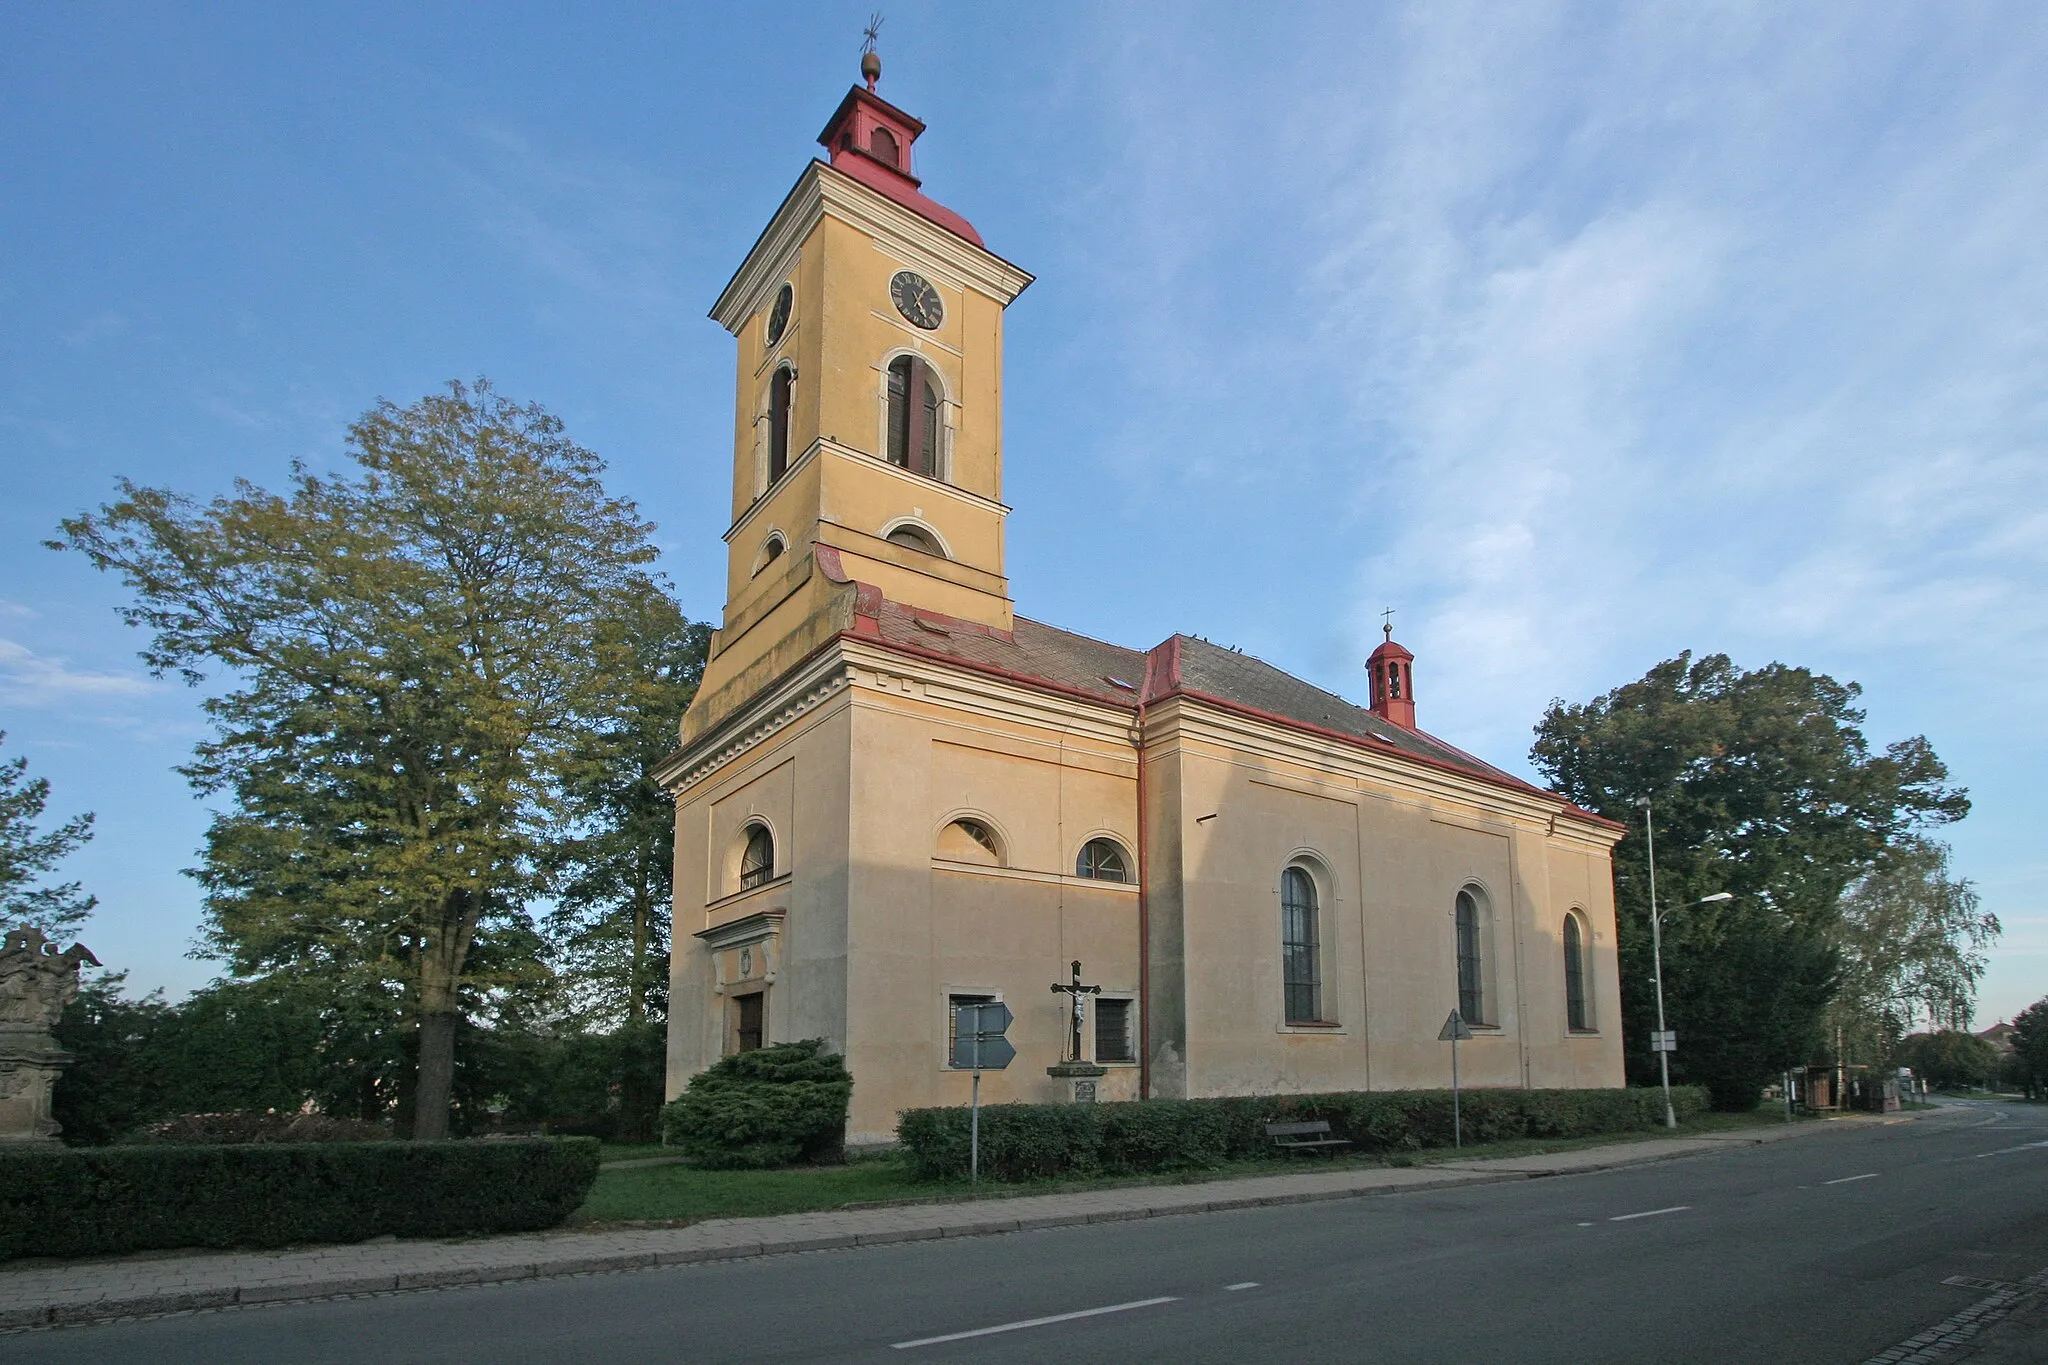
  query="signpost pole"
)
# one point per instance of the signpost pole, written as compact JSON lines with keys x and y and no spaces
{"x":1453,"y":1031}
{"x":1457,"y":1112}
{"x":974,"y":1122}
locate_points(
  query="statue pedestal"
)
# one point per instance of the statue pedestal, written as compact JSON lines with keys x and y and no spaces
{"x":29,"y":1067}
{"x":1080,"y":1078}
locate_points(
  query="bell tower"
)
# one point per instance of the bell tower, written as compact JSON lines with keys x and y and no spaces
{"x":867,"y":433}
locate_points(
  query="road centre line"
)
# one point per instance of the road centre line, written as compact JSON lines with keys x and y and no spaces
{"x":1233,"y":1288}
{"x":1652,"y":1213}
{"x":1848,"y":1178}
{"x":2003,"y":1151}
{"x":1033,"y":1322}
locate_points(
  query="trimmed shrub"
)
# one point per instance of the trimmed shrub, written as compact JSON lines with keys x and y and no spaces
{"x":1034,"y":1141}
{"x":221,"y":1129}
{"x":107,"y":1200}
{"x":772,"y":1106}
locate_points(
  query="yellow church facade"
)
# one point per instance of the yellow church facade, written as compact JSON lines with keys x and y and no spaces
{"x":894,"y":795}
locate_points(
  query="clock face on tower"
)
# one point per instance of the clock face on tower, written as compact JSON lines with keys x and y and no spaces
{"x":778,"y":316}
{"x":916,"y":299}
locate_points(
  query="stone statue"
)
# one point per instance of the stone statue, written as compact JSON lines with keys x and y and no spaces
{"x":36,"y":983}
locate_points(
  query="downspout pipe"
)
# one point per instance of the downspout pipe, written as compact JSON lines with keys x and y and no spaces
{"x":1144,"y":908}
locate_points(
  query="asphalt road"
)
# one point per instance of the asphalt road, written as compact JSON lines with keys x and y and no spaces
{"x":1831,"y":1247}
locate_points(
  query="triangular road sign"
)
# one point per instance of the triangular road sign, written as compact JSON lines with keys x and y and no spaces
{"x":1454,"y":1030}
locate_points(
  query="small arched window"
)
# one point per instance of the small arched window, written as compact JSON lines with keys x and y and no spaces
{"x":1103,"y":861}
{"x":770,"y":552}
{"x":1471,"y":966}
{"x":1301,"y":966}
{"x":757,"y":861}
{"x":970,"y":841}
{"x":882,"y":145}
{"x":913,"y":416}
{"x":1577,"y":1017}
{"x":778,"y":422}
{"x":911,"y":538}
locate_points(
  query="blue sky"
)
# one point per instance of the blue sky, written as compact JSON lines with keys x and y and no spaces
{"x":1579,"y":334}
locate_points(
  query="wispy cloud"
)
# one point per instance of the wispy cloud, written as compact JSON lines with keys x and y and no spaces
{"x":29,"y":679}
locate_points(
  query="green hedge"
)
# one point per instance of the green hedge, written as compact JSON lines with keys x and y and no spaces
{"x":769,"y":1106}
{"x":106,"y":1200}
{"x":1032,"y":1141}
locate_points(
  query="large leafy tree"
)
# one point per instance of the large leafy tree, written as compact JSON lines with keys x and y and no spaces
{"x":29,"y":852}
{"x":613,"y":878}
{"x":2030,"y":1048}
{"x":1913,"y":941}
{"x":1761,"y":784}
{"x":416,"y":650}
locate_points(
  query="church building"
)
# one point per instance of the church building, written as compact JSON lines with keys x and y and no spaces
{"x":895,"y":795}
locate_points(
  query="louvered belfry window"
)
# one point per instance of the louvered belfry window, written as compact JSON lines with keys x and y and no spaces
{"x":913,"y":417}
{"x":1300,"y":951}
{"x":778,"y":424}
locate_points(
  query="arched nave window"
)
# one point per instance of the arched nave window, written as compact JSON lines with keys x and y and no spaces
{"x":1471,"y":956}
{"x":1577,"y":1016}
{"x":757,"y":862}
{"x":1301,"y":967}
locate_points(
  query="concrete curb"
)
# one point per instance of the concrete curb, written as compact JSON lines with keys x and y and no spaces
{"x":73,"y":1312}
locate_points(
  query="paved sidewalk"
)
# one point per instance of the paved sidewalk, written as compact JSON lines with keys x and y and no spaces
{"x":165,"y":1282}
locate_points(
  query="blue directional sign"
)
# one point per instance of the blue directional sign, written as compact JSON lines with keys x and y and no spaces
{"x":978,"y":1040}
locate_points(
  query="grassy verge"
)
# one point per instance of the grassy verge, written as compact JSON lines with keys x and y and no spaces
{"x":683,"y":1194}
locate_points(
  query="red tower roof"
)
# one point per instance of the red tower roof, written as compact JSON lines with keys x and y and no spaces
{"x":869,"y":139}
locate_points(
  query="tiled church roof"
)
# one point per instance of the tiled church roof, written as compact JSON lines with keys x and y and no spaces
{"x":1036,"y":653}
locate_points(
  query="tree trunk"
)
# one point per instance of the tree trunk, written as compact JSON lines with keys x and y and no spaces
{"x":441,"y":963}
{"x":636,"y":981}
{"x":437,"y":1076}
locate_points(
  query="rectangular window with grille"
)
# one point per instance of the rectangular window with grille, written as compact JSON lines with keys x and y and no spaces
{"x":1113,"y":1030}
{"x":953,"y":1004}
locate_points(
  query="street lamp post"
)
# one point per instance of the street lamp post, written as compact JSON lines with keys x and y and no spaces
{"x":1657,"y":955}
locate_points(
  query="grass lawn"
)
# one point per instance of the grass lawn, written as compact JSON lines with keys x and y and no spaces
{"x":683,"y":1194}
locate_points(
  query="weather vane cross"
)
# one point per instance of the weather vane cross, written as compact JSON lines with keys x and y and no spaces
{"x":870,"y":61}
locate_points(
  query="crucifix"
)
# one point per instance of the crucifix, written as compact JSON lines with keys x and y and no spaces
{"x":1076,"y":991}
{"x":1387,"y":623}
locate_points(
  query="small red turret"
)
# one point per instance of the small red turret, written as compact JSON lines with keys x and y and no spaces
{"x":1392,"y":670}
{"x":869,"y":139}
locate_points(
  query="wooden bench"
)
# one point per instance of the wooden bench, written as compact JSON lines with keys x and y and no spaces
{"x":1304,"y":1137}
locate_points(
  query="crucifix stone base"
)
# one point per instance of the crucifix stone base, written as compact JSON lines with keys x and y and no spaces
{"x":1080,"y":1078}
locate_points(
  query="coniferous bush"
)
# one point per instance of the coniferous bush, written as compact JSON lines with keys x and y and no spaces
{"x":770,"y":1106}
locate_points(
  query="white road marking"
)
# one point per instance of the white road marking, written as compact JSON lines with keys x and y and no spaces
{"x":2002,"y":1151}
{"x":1233,"y":1288}
{"x":1847,"y":1178}
{"x":1033,"y":1322}
{"x":1624,"y":1217}
{"x":1585,"y":1225}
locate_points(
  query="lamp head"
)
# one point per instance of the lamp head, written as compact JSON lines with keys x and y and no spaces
{"x":1716,"y":898}
{"x":1642,"y":803}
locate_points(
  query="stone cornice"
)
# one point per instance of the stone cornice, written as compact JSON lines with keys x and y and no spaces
{"x":803,"y":691}
{"x":746,"y":929}
{"x":821,"y":190}
{"x":823,"y":447}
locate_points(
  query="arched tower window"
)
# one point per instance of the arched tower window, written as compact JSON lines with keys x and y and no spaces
{"x":913,"y":416}
{"x":1102,"y":861}
{"x":912,"y":538}
{"x":1471,"y":964}
{"x":778,"y":422}
{"x":1576,"y":1016}
{"x":757,"y":862}
{"x":970,"y":841}
{"x":882,"y":145}
{"x":1301,"y":967}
